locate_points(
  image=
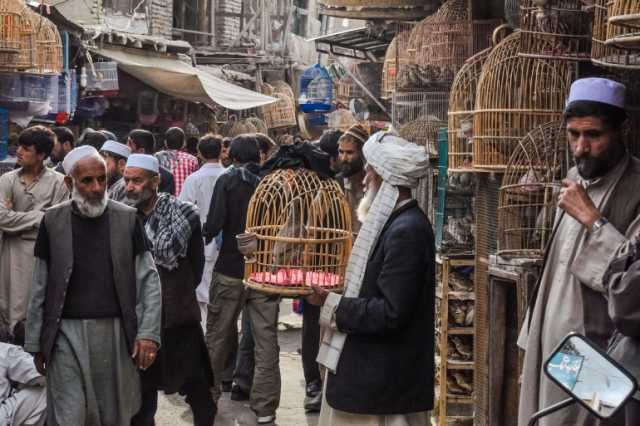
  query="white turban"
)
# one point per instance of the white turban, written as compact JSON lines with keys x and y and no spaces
{"x":144,"y":161}
{"x":399,"y":163}
{"x":76,"y":155}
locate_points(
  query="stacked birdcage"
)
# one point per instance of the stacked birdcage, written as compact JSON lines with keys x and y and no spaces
{"x":298,"y":234}
{"x":461,"y":105}
{"x":281,"y":113}
{"x":559,"y":29}
{"x":11,"y":16}
{"x":609,"y":55}
{"x":623,"y":29}
{"x":48,"y":47}
{"x":515,"y":94}
{"x":423,"y":131}
{"x":259,"y":124}
{"x":396,"y":57}
{"x":530,"y":186}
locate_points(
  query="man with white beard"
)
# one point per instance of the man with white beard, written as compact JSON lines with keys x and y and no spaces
{"x":95,"y":308}
{"x":378,"y":342}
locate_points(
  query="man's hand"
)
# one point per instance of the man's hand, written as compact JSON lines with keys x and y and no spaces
{"x":38,"y":361}
{"x":144,"y":353}
{"x":318,"y":297}
{"x":8,"y":204}
{"x":575,"y":201}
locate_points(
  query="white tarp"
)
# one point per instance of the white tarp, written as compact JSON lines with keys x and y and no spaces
{"x":183,"y":81}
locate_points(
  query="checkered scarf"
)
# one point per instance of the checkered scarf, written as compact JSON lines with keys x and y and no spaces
{"x":399,"y":163}
{"x":169,"y":229}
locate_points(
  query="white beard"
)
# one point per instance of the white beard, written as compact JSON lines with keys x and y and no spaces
{"x":366,"y":202}
{"x":88,"y":208}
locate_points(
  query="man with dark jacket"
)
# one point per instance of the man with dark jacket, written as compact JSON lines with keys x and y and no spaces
{"x":173,"y":230}
{"x":378,"y":342}
{"x":228,"y":295}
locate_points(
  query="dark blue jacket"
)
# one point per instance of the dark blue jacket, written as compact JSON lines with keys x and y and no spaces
{"x":387,"y":365}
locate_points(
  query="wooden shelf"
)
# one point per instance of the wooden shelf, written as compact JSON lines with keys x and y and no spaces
{"x":460,"y":331}
{"x":453,"y":364}
{"x":459,"y":399}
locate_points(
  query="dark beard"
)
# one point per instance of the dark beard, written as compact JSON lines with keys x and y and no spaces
{"x":594,"y":167}
{"x":351,"y":168}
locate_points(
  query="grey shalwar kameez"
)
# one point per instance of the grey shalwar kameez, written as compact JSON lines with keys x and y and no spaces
{"x":576,"y":259}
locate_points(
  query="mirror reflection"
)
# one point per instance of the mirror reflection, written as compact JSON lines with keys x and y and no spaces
{"x":589,"y":376}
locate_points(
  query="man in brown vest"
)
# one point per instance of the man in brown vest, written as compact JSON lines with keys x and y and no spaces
{"x":94,"y":314}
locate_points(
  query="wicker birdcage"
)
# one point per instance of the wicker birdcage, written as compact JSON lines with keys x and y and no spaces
{"x":623,"y":29}
{"x":515,"y":94}
{"x":608,"y":55}
{"x":283,"y":112}
{"x":423,"y":131}
{"x":347,"y":88}
{"x":24,"y":59}
{"x":236,"y":126}
{"x":396,"y":57}
{"x":530,"y":186}
{"x":259,"y":124}
{"x":302,"y":225}
{"x":461,"y":105}
{"x":11,"y":29}
{"x":561,"y":29}
{"x":48,"y":51}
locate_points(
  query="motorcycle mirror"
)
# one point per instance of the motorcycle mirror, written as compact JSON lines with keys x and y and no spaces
{"x":590,"y":376}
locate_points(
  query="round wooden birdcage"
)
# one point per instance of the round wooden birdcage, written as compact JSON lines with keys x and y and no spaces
{"x":515,"y":94}
{"x":283,"y":112}
{"x":236,"y":126}
{"x":531,"y":183}
{"x":448,"y":40}
{"x":623,"y":29}
{"x":395,"y":59}
{"x":609,"y":55}
{"x":302,"y":225}
{"x":424,"y":132}
{"x":259,"y":124}
{"x":11,"y":28}
{"x":24,"y":58}
{"x":347,"y":88}
{"x":48,"y":47}
{"x":559,"y":29}
{"x":461,"y":106}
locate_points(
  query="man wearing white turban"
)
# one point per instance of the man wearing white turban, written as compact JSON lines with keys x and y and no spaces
{"x":378,"y":338}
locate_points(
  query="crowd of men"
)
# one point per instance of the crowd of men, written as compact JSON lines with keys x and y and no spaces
{"x":120,"y":276}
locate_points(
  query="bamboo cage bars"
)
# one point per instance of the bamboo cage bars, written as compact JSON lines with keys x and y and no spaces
{"x":608,"y":55}
{"x":347,"y":88}
{"x":283,"y":112}
{"x":561,"y":29}
{"x":515,"y":94}
{"x":48,"y":47}
{"x":623,"y":29}
{"x":303,"y":230}
{"x":423,"y":131}
{"x":531,"y":183}
{"x":11,"y":29}
{"x":461,"y":105}
{"x":396,"y":57}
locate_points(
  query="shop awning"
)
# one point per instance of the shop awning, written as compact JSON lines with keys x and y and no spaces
{"x":358,"y":43}
{"x":183,"y":81}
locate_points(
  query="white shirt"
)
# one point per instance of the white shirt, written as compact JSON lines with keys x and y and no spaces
{"x":198,"y":189}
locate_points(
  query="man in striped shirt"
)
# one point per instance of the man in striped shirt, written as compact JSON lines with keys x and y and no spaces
{"x":180,"y":163}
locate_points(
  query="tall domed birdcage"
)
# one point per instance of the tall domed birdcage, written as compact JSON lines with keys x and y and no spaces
{"x":531,"y":183}
{"x":301,"y":231}
{"x":48,"y":46}
{"x":515,"y":94}
{"x":609,"y":55}
{"x":395,"y":58}
{"x":623,"y":29}
{"x":11,"y":29}
{"x":556,"y":29}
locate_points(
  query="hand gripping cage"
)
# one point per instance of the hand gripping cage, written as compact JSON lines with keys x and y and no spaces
{"x":531,"y":183}
{"x":302,"y":225}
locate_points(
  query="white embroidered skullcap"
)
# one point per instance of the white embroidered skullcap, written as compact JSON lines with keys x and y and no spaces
{"x":600,"y":90}
{"x":116,"y":148}
{"x":397,"y":161}
{"x":76,"y":155}
{"x":144,"y":161}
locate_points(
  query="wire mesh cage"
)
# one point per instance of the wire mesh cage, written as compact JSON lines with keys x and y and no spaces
{"x":48,"y":47}
{"x":461,"y":105}
{"x":530,"y":185}
{"x":515,"y":94}
{"x":281,"y":113}
{"x":303,"y":235}
{"x":623,"y":28}
{"x":410,"y":106}
{"x":609,"y":55}
{"x":423,"y":131}
{"x":11,"y":28}
{"x":316,"y":90}
{"x":557,"y":29}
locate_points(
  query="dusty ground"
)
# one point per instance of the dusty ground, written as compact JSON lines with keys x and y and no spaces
{"x":172,"y":410}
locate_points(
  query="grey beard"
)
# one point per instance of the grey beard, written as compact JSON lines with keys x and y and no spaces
{"x":91,"y":209}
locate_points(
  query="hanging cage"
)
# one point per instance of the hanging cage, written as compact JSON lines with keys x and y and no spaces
{"x":461,"y":105}
{"x":396,"y":57}
{"x":302,"y":225}
{"x":515,"y":94}
{"x":531,"y":183}
{"x":559,"y":29}
{"x":11,"y":16}
{"x":281,"y":113}
{"x":25,"y":57}
{"x":347,"y":88}
{"x":623,"y":28}
{"x":409,"y":106}
{"x":316,"y":90}
{"x":48,"y":47}
{"x":423,"y":131}
{"x":609,"y":55}
{"x":378,"y":9}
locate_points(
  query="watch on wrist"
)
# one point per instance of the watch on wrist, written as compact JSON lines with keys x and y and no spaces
{"x":599,"y":224}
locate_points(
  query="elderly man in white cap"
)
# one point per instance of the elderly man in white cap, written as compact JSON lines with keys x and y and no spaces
{"x":115,"y":154}
{"x":174,"y":233}
{"x":597,"y":213}
{"x":94,"y":314}
{"x":378,"y":344}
